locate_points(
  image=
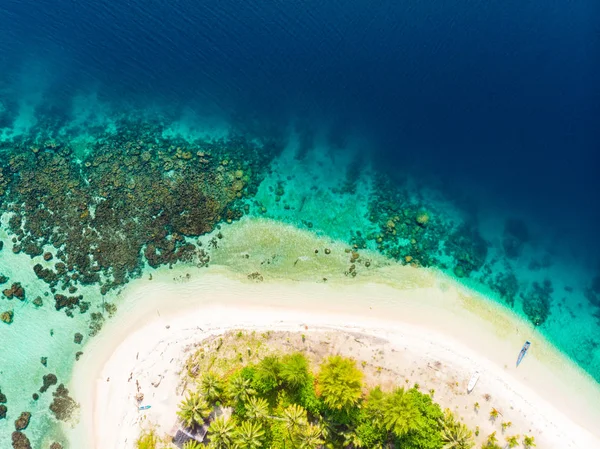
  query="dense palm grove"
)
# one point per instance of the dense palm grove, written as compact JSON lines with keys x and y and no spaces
{"x":279,"y":403}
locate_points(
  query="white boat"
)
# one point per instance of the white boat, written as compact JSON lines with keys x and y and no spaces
{"x":473,"y":381}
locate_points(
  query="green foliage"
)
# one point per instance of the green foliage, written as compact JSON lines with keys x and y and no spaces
{"x":257,"y":408}
{"x":528,"y":442}
{"x":427,"y":431}
{"x":266,"y":374}
{"x":147,"y":440}
{"x":340,"y":382}
{"x":294,"y":370}
{"x":221,"y":432}
{"x":492,"y":442}
{"x":307,"y":397}
{"x":278,"y":404}
{"x":400,"y":414}
{"x":211,"y":387}
{"x":455,"y":435}
{"x":249,"y":435}
{"x":193,"y":410}
{"x":513,"y":441}
{"x":239,"y":388}
{"x":374,"y":407}
{"x":192,"y":444}
{"x":369,"y":434}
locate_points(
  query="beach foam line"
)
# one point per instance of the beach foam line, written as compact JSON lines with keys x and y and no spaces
{"x":436,"y":317}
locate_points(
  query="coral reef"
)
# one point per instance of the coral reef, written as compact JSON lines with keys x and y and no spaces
{"x":468,"y":249}
{"x":15,"y":291}
{"x":7,"y":316}
{"x":63,"y":406}
{"x":20,"y":441}
{"x":3,"y":410}
{"x":507,"y":285}
{"x":48,"y":381}
{"x":536,"y":302}
{"x":22,"y":421}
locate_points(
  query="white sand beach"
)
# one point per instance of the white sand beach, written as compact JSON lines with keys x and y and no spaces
{"x":429,"y":320}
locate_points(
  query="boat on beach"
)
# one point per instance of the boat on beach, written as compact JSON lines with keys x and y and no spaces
{"x":523,"y":352}
{"x":473,"y":381}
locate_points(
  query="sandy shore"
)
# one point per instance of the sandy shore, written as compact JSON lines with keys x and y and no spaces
{"x":428,"y":321}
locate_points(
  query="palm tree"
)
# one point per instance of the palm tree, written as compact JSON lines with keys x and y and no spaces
{"x":147,"y":440}
{"x":249,"y":435}
{"x":494,"y":414}
{"x":340,"y":382}
{"x":294,"y":370}
{"x":192,"y":444}
{"x":239,"y":389}
{"x":193,"y":410}
{"x":294,"y":416}
{"x":266,"y":376}
{"x":528,"y":441}
{"x":220,"y":433}
{"x":309,"y":437}
{"x":513,"y":441}
{"x":257,"y":408}
{"x":211,"y":387}
{"x":455,"y":435}
{"x":401,"y":414}
{"x":375,"y":407}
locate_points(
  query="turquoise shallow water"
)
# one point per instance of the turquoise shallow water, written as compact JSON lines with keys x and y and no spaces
{"x":331,"y":193}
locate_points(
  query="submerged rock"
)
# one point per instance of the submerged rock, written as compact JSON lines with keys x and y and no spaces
{"x":63,"y":406}
{"x":22,"y":421}
{"x":15,"y":291}
{"x":3,"y":399}
{"x":49,"y":380}
{"x":3,"y":410}
{"x":78,"y":338}
{"x":7,"y":317}
{"x":536,"y":302}
{"x":20,"y":441}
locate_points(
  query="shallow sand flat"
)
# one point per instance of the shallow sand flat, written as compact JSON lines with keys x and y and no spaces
{"x":430,"y":317}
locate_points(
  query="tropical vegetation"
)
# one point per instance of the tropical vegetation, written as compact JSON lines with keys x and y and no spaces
{"x":279,"y":402}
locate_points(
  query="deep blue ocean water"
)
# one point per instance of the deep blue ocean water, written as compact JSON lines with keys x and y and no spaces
{"x":496,"y":102}
{"x":501,"y":96}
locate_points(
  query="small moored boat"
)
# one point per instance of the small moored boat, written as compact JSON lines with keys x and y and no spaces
{"x":145,"y":407}
{"x":473,"y":381}
{"x":523,"y":352}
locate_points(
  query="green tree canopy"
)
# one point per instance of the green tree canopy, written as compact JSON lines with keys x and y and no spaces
{"x":426,"y":432}
{"x":193,"y":410}
{"x":294,"y":370}
{"x":239,"y":388}
{"x":400,"y":413}
{"x":192,"y":444}
{"x":340,"y":382}
{"x":257,"y":408}
{"x":455,"y":435}
{"x":249,"y":435}
{"x":220,"y":433}
{"x":211,"y":387}
{"x":266,"y":374}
